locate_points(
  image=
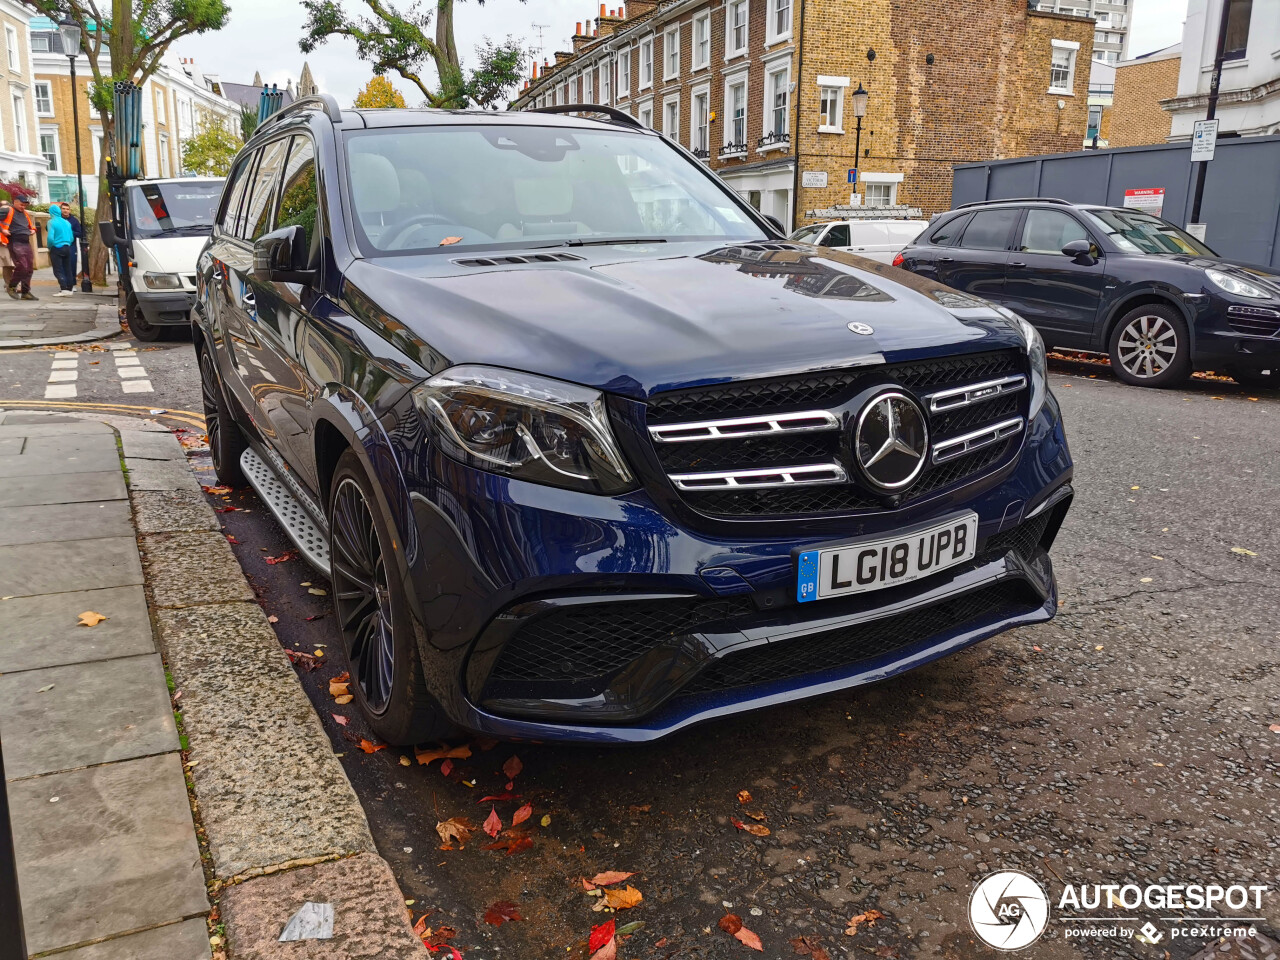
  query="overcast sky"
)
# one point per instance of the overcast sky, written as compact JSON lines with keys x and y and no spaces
{"x":263,"y":36}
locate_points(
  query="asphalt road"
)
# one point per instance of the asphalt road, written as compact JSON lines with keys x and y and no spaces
{"x":1126,"y":742}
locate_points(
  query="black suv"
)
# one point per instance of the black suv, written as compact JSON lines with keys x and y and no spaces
{"x":1111,"y":279}
{"x":588,"y":450}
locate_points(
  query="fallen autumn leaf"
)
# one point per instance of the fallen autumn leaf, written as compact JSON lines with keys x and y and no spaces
{"x":91,"y":619}
{"x":869,"y":918}
{"x":455,"y":828}
{"x":610,"y":876}
{"x":512,"y":767}
{"x":755,"y":829}
{"x":521,"y":815}
{"x":502,"y":911}
{"x":493,"y":823}
{"x":623,"y":899}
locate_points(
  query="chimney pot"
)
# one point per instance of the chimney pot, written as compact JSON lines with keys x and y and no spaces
{"x":602,"y":9}
{"x":577,"y":29}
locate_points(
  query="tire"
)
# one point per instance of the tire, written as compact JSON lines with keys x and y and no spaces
{"x":138,"y":325}
{"x":1255,"y":379}
{"x":372,"y":616}
{"x":1150,"y":347}
{"x":226,"y":441}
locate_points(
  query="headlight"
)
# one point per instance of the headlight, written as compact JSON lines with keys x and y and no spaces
{"x":525,"y":426}
{"x":162,"y":281}
{"x":1241,"y":288}
{"x":1035,"y":354}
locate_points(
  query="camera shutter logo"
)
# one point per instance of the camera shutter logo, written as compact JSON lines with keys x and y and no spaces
{"x":1009,"y":910}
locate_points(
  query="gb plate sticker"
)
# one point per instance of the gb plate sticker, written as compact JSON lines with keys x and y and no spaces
{"x":807,"y":577}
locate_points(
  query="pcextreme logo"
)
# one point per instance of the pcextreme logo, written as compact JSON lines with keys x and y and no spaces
{"x":1009,"y":910}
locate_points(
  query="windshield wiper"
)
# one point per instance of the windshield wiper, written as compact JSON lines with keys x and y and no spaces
{"x":599,"y":243}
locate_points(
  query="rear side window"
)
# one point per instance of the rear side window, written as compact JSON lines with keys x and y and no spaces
{"x":837,"y":236}
{"x":947,"y":234}
{"x":240,"y":179}
{"x":989,"y":230}
{"x":260,"y":206}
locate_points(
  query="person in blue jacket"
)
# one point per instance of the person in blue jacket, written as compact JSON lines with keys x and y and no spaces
{"x":61,"y":242}
{"x":77,"y":231}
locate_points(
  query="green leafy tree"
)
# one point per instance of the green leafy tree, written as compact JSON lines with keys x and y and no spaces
{"x":126,"y":40}
{"x":211,"y":150}
{"x":379,"y":92}
{"x":404,"y":42}
{"x":248,"y":122}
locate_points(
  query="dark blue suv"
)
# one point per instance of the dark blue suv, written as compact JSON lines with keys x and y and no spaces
{"x":588,"y":450}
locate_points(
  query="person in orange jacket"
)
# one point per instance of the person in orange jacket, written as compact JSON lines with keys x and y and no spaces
{"x":16,"y":233}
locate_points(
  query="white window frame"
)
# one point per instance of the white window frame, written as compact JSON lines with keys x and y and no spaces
{"x":735,"y":82}
{"x":606,"y":81}
{"x":19,"y":102}
{"x":624,"y":73}
{"x":732,"y":48}
{"x":700,"y":133}
{"x":160,"y":107}
{"x":772,"y":34}
{"x":589,"y":86}
{"x":1071,"y":49}
{"x":670,"y":107}
{"x":643,"y":107}
{"x":162,"y":148}
{"x":14,"y":58}
{"x":56,"y":165}
{"x":772,"y":88}
{"x":47,"y":88}
{"x":671,"y":45}
{"x":646,"y":48}
{"x":702,"y":41}
{"x":46,"y":44}
{"x":831,"y":88}
{"x":891,"y":180}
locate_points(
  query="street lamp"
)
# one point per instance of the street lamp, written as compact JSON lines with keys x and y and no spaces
{"x":70,"y":32}
{"x":859,"y":110}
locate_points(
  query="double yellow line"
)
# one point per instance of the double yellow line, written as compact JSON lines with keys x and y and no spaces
{"x":186,"y":417}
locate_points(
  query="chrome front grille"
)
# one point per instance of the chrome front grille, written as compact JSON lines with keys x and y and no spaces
{"x":780,"y":448}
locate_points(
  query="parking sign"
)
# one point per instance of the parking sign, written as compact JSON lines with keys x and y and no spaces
{"x":1203,"y":140}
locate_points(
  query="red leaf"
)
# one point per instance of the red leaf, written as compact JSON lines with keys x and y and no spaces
{"x":493,"y":825}
{"x":339,"y":718}
{"x":610,"y":876}
{"x":512,"y":767}
{"x":608,"y":952}
{"x":523,"y":814}
{"x":809,"y":947}
{"x":510,"y":844}
{"x":755,"y":829}
{"x":231,"y":539}
{"x":730,"y":923}
{"x":507,"y":795}
{"x":587,"y":884}
{"x":287,"y":555}
{"x":750,"y":939}
{"x":446,"y":768}
{"x":368,"y":747}
{"x":600,"y":936}
{"x":420,"y":928}
{"x":502,"y":911}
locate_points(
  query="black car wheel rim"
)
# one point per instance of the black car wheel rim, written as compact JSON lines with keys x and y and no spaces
{"x":362,"y":595}
{"x":1147,"y":346}
{"x":209,"y":394}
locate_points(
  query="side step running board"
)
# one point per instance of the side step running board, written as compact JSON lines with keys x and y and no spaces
{"x":311,"y":542}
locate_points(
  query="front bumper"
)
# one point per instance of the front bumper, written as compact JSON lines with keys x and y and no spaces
{"x":1233,"y":332}
{"x":552,"y":615}
{"x":163,"y":308}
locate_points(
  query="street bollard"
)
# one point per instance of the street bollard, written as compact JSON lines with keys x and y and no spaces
{"x":13,"y":941}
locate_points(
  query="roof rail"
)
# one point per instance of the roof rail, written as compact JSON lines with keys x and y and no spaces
{"x":982,"y":203}
{"x":614,"y":115}
{"x":316,"y":101}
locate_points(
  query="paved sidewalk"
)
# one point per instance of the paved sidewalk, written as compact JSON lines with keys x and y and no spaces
{"x":79,"y":318}
{"x":107,"y":851}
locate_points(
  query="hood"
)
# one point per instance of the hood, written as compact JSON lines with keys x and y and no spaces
{"x":55,"y":212}
{"x":169,"y":254}
{"x":642,"y":319}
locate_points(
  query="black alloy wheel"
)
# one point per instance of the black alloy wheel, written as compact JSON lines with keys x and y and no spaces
{"x":1150,"y":347}
{"x":226,"y":442}
{"x":372,"y":614}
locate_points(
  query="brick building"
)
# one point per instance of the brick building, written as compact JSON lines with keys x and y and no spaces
{"x":19,"y":158}
{"x":760,"y":90}
{"x":1137,"y":118}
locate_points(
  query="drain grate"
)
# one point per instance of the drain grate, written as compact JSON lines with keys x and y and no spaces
{"x":297,"y":523}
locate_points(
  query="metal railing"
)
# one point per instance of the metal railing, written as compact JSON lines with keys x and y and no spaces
{"x":732,"y":150}
{"x":773,"y":139}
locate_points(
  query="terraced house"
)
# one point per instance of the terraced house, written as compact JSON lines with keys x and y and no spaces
{"x":761,"y":90}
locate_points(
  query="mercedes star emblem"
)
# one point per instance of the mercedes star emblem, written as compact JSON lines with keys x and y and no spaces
{"x":891,"y":440}
{"x":863,"y":328}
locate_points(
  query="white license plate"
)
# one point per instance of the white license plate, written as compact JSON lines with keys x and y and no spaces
{"x":888,"y":562}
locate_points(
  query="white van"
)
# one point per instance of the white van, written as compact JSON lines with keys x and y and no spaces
{"x":166,"y":225}
{"x":879,"y":240}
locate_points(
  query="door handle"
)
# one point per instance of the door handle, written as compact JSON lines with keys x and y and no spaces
{"x":248,"y":302}
{"x":946,"y":259}
{"x":1017,"y":263}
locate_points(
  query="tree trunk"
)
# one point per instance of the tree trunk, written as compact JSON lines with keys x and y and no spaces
{"x":98,"y":251}
{"x":444,"y":33}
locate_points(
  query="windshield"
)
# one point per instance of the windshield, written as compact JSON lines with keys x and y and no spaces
{"x":424,"y":189}
{"x":184,"y":208}
{"x":807,"y":234}
{"x":1143,"y":233}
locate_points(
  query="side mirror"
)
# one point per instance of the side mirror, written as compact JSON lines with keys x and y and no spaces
{"x":1080,"y":251}
{"x":283,"y":256}
{"x":107,"y":231}
{"x":776,"y":223}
